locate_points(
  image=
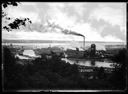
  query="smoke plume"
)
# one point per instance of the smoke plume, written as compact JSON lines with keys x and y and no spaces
{"x":52,"y":26}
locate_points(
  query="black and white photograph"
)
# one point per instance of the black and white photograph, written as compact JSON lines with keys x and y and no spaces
{"x":64,"y":46}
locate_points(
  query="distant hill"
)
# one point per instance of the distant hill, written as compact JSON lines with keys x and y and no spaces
{"x":50,"y":41}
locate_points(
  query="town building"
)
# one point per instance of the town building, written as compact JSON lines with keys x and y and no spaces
{"x":93,"y":50}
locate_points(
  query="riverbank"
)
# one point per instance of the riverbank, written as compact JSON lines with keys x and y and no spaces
{"x":90,"y":58}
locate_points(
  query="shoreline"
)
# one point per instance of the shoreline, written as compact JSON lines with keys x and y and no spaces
{"x":89,"y":58}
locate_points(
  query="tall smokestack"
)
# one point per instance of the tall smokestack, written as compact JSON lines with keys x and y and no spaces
{"x":84,"y":43}
{"x":64,"y":31}
{"x":77,"y":34}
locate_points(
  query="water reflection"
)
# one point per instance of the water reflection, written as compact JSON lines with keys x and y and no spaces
{"x":93,"y":62}
{"x":77,"y":61}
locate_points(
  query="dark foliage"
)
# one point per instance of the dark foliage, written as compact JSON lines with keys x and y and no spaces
{"x":17,"y":22}
{"x":6,"y":3}
{"x":43,"y":73}
{"x":101,"y":73}
{"x":53,"y":73}
{"x":118,"y":78}
{"x":11,"y":70}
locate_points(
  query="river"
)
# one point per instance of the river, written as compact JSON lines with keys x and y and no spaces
{"x":84,"y":62}
{"x":91,"y":63}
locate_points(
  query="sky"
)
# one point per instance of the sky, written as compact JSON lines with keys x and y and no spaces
{"x":96,"y":21}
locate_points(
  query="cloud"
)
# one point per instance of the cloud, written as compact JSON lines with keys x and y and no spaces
{"x":97,"y":21}
{"x":22,"y":11}
{"x":112,"y":15}
{"x":114,"y":31}
{"x":9,"y":35}
{"x":104,"y":28}
{"x":34,"y":35}
{"x":112,"y":38}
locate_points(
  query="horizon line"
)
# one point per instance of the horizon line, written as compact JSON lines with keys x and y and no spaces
{"x":56,"y":40}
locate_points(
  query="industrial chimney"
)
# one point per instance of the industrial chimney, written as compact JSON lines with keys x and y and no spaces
{"x":84,"y":43}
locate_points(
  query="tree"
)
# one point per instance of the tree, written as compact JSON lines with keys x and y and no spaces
{"x":119,"y":74}
{"x":17,"y":21}
{"x":10,"y":69}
